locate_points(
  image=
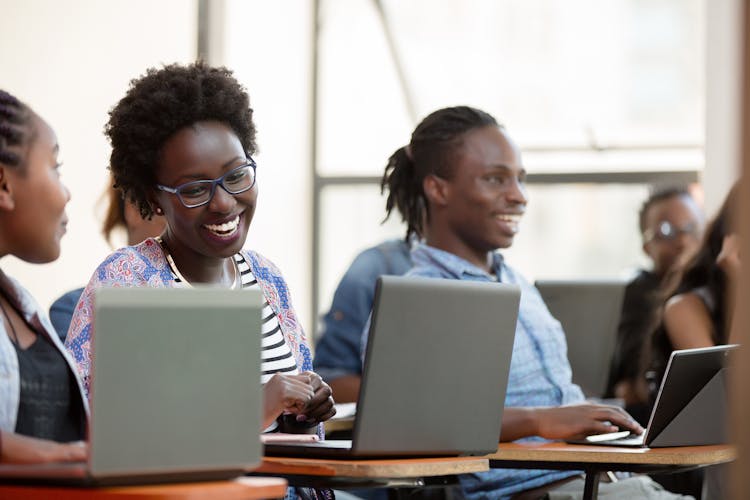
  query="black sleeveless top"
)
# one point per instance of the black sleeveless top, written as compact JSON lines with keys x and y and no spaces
{"x":49,"y":405}
{"x":661,"y":346}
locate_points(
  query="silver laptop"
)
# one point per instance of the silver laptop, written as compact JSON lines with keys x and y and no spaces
{"x":589,"y":312}
{"x":435,"y":372}
{"x":691,"y":406}
{"x":175,"y":388}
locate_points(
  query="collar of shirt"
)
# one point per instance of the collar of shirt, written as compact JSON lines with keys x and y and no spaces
{"x":453,"y":265}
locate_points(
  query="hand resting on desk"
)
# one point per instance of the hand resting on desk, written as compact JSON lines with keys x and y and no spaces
{"x":19,"y":449}
{"x":566,"y":422}
{"x":321,"y":407}
{"x":304,"y":395}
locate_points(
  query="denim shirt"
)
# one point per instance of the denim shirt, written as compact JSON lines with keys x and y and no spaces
{"x":540,"y":373}
{"x":337,"y":353}
{"x":61,"y":311}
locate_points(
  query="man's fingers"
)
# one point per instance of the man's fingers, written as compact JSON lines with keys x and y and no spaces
{"x":621,"y":418}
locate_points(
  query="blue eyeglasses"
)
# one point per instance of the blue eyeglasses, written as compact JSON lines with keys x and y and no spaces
{"x":197,"y":193}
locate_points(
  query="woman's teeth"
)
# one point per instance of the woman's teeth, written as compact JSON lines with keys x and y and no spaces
{"x":224,"y":229}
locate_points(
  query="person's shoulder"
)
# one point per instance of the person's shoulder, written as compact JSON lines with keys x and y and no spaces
{"x":396,"y":245}
{"x":260,"y":263}
{"x":68,"y":299}
{"x":388,"y":257}
{"x":133,"y":263}
{"x":148,"y":249}
{"x":682,"y":304}
{"x":687,"y":321}
{"x":684,"y":312}
{"x":426,"y":272}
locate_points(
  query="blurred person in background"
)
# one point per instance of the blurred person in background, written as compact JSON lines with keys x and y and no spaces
{"x":120,"y":215}
{"x":671,"y":224}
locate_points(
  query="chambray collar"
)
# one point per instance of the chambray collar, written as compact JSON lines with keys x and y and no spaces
{"x":453,"y":265}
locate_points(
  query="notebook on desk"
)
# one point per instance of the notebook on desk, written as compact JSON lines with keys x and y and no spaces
{"x":691,"y":406}
{"x":435,"y":372}
{"x":589,"y":312}
{"x":175,"y":389}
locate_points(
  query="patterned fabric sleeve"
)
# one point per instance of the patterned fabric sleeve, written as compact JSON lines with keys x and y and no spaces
{"x":130,"y":266}
{"x":276,"y":292}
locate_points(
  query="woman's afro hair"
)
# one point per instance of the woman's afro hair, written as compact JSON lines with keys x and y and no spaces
{"x":162,"y":102}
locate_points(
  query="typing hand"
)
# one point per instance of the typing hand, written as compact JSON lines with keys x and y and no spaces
{"x":579,"y":421}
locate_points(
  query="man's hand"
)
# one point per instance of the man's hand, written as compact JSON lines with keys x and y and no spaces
{"x":579,"y":421}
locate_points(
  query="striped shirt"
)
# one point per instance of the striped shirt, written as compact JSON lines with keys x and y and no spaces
{"x":276,"y":356}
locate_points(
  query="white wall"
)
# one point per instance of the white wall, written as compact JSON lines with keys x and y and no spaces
{"x":71,"y":61}
{"x":267,"y":44}
{"x":724,"y":21}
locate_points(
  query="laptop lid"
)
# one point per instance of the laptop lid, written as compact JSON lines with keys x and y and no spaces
{"x":436,"y":367}
{"x":589,"y":312}
{"x":690,"y":406}
{"x":175,"y":381}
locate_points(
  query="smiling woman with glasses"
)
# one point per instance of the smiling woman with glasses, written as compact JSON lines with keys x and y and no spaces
{"x":182,"y":144}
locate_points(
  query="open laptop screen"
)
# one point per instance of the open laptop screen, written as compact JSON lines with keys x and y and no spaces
{"x":175,"y":381}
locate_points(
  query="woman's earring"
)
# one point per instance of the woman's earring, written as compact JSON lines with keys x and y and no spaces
{"x":158,"y":211}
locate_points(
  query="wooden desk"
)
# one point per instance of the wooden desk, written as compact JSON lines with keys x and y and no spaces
{"x":245,"y":488}
{"x":595,"y":459}
{"x":391,"y":473}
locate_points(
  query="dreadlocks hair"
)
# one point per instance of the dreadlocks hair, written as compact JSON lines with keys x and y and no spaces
{"x":432,"y":149}
{"x":656,"y":197}
{"x":15,"y":129}
{"x":162,"y":102}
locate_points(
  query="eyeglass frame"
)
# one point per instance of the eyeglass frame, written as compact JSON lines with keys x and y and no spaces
{"x":214,"y":182}
{"x":674,"y":232}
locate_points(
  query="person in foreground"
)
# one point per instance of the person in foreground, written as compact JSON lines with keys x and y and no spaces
{"x":42,"y":409}
{"x":460,"y":184}
{"x":182,"y":144}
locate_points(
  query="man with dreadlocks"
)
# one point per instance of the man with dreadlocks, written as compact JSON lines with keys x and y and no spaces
{"x":460,"y":184}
